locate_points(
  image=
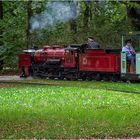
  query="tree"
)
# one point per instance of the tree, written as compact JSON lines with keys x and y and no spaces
{"x":87,"y":12}
{"x":1,"y":33}
{"x":14,"y":25}
{"x":1,"y":10}
{"x":104,"y":20}
{"x":133,"y":12}
{"x":1,"y":17}
{"x":29,"y":15}
{"x":73,"y":25}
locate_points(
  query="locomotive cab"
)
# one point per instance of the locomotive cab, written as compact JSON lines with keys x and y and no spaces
{"x":126,"y":68}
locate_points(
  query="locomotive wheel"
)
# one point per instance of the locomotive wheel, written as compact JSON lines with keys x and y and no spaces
{"x":75,"y":78}
{"x":51,"y":77}
{"x":98,"y":77}
{"x":105,"y":77}
{"x":69,"y":77}
{"x":83,"y":78}
{"x":114,"y":78}
{"x":61,"y":77}
{"x":89,"y":78}
{"x":124,"y":80}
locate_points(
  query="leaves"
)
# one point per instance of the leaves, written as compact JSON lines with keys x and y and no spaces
{"x":109,"y":19}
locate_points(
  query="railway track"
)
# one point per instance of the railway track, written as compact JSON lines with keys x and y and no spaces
{"x":28,"y":83}
{"x":54,"y":84}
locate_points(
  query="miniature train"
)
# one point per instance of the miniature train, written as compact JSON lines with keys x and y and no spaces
{"x":77,"y":62}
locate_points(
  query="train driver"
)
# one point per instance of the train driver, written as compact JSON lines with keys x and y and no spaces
{"x":92,"y":44}
{"x":130,"y":53}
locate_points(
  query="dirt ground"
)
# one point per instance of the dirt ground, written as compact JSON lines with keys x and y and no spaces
{"x":8,"y":78}
{"x":5,"y":85}
{"x":9,"y":72}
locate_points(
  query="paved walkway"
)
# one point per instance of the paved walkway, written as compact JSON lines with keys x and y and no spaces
{"x":7,"y":78}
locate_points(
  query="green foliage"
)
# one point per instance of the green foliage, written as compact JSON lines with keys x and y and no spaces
{"x":14,"y":32}
{"x":108,"y":21}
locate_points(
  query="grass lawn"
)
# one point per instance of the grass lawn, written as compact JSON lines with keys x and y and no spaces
{"x":88,"y":84}
{"x":86,"y":110}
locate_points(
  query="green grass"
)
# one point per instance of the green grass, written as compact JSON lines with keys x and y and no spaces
{"x":69,"y":112}
{"x":91,"y":84}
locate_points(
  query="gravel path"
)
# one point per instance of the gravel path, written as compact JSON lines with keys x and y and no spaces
{"x":13,"y":77}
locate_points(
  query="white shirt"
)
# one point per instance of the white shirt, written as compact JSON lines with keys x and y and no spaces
{"x":129,"y":50}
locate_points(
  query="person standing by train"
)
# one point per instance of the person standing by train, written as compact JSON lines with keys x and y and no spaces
{"x":130,"y":53}
{"x":92,"y":44}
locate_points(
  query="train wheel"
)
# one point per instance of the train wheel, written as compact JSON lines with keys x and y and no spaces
{"x":114,"y":78}
{"x":89,"y":78}
{"x":69,"y":77}
{"x":61,"y":77}
{"x":98,"y":77}
{"x":105,"y":77}
{"x":83,"y":78}
{"x":51,"y":77}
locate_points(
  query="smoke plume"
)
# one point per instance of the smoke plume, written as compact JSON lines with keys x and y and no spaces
{"x":55,"y":12}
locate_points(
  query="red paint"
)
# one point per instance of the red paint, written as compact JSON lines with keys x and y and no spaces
{"x":99,"y":61}
{"x":70,"y":59}
{"x":24,"y":60}
{"x":45,"y":54}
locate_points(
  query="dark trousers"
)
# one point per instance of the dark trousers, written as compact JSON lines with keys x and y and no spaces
{"x":132,"y":60}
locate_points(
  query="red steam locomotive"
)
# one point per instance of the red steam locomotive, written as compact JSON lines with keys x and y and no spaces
{"x":77,"y":62}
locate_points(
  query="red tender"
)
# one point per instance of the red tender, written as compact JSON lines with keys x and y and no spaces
{"x":100,"y":61}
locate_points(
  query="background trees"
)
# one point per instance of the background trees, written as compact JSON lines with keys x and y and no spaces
{"x":133,"y":12}
{"x":62,"y":22}
{"x":1,"y":34}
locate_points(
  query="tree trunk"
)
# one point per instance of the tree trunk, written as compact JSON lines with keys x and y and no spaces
{"x":73,"y":24}
{"x":1,"y":17}
{"x":134,"y":15}
{"x":1,"y":10}
{"x":29,"y":15}
{"x":1,"y":33}
{"x":87,"y":12}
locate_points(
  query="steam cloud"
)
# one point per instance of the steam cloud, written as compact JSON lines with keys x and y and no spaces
{"x":54,"y":12}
